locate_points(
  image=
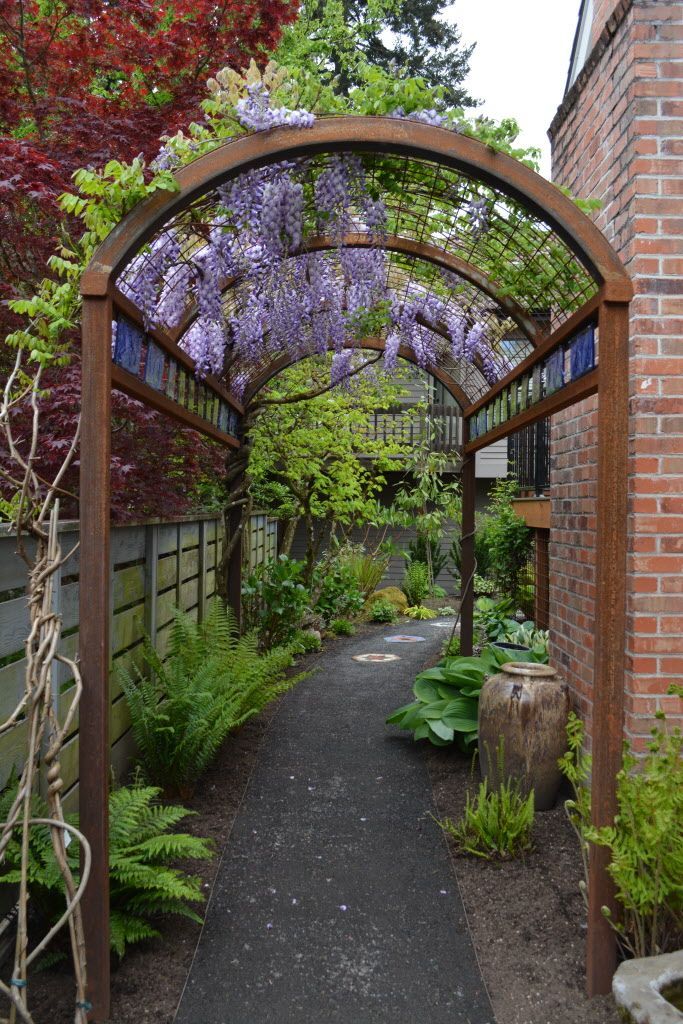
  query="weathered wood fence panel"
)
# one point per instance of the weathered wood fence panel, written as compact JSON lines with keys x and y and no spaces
{"x":261,"y":541}
{"x":155,"y":567}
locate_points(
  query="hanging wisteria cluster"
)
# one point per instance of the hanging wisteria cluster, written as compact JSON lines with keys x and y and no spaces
{"x":288,"y":300}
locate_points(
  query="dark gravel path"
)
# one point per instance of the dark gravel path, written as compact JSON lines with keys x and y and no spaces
{"x":335,"y":901}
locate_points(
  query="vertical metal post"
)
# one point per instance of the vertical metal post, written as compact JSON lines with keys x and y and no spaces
{"x":151,"y":580}
{"x":201,"y":573}
{"x":94,"y":640}
{"x":610,"y":629}
{"x":467,"y":477}
{"x":235,"y":565}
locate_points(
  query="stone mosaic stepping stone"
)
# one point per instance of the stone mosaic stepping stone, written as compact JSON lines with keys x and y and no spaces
{"x":375,"y":657}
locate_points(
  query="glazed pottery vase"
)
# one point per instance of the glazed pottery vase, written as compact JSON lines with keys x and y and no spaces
{"x":525,"y":706}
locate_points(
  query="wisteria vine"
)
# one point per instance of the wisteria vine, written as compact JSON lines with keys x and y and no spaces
{"x":288,"y":300}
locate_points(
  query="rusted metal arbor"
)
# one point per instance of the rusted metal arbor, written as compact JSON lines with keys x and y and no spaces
{"x":557,"y":261}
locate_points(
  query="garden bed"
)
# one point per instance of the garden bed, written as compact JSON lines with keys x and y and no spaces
{"x":526,"y":917}
{"x":147,"y":984}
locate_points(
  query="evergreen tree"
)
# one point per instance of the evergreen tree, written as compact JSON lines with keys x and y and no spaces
{"x":403,"y":37}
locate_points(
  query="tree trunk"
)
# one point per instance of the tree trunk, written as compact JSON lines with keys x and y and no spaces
{"x":288,"y":535}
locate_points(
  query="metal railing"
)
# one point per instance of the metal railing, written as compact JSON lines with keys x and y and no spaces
{"x":441,"y":425}
{"x":529,"y":457}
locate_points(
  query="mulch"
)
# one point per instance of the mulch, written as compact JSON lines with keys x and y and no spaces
{"x":527,"y":917}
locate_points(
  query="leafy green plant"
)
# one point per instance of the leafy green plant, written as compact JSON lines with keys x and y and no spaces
{"x":305,"y":642}
{"x":496,"y":824}
{"x":525,"y":633}
{"x":437,"y":591}
{"x":483,"y":585}
{"x":339,"y":593}
{"x":274,"y":600}
{"x":492,"y":618}
{"x":368,"y":569}
{"x":447,"y":610}
{"x":447,"y":698}
{"x":416,"y":582}
{"x":342,"y":627}
{"x":422,"y":549}
{"x":212,"y":681}
{"x":508,"y":538}
{"x":645,"y":841}
{"x":382,"y":611}
{"x":451,"y":647}
{"x":142,"y":845}
{"x":418,"y":611}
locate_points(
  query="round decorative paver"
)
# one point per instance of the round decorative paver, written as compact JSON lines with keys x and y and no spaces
{"x":375,"y":657}
{"x":443,"y":625}
{"x":404,"y":638}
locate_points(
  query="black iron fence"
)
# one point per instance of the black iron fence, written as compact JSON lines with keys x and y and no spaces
{"x":529,"y":457}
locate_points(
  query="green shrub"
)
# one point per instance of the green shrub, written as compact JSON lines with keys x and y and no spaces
{"x":437,"y":591}
{"x":497,"y":824}
{"x":483,"y":585}
{"x":305,"y":642}
{"x":368,"y":569}
{"x":212,"y":681}
{"x":493,"y":618}
{"x":382,"y":611}
{"x":274,"y":600}
{"x":447,"y":610}
{"x":416,"y":582}
{"x":508,"y":539}
{"x":339,"y":593}
{"x":418,"y":611}
{"x":342,"y":627}
{"x":142,"y":845}
{"x":645,"y":841}
{"x":422,"y":549}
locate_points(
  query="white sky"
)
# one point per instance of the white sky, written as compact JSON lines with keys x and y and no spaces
{"x":519,"y":67}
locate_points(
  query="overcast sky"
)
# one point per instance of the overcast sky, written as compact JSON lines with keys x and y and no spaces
{"x":520,"y":63}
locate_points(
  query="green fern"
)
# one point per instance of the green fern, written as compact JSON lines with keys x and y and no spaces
{"x":143,"y":885}
{"x":211,"y":682}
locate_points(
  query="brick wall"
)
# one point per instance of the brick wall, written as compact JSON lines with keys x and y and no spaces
{"x":618,"y":137}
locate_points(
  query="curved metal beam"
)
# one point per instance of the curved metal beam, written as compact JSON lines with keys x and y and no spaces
{"x":365,"y":134}
{"x":374,"y":345}
{"x":409,"y":247}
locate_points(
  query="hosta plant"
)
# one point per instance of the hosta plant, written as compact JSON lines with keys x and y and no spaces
{"x":382,"y":610}
{"x":143,"y":844}
{"x":447,"y":698}
{"x":418,"y":611}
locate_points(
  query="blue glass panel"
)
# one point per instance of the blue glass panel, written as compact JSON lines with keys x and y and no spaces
{"x":171,"y":378}
{"x":154,"y":366}
{"x":582,"y":353}
{"x":223,"y":418}
{"x":554,"y":371}
{"x":482,"y":420}
{"x":128,"y":346}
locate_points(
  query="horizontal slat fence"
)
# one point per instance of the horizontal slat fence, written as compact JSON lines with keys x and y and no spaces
{"x":155,"y":567}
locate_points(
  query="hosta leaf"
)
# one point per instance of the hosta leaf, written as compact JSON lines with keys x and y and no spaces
{"x":422,"y":731}
{"x":425,"y":690}
{"x":440,"y":729}
{"x":435,"y":710}
{"x":397,"y":716}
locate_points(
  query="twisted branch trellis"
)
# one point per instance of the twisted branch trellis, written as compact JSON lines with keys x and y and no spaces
{"x":36,"y":516}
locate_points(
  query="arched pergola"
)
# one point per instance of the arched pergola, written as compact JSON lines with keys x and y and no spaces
{"x":555,"y":261}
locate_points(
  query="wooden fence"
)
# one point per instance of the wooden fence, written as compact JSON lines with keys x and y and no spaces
{"x":261,"y":540}
{"x":155,"y":567}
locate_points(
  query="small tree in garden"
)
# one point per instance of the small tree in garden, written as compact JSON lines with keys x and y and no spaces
{"x":304,"y":459}
{"x":429,"y":499}
{"x":507,"y":537}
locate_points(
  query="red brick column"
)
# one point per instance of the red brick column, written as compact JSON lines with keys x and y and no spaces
{"x":618,"y":137}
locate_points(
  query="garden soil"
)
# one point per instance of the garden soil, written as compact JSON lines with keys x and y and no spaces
{"x":526,"y":917}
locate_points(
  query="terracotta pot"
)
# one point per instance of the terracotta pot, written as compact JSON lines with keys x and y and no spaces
{"x":527,"y":706}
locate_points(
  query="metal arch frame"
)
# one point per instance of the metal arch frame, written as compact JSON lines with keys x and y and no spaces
{"x":435,"y":145}
{"x":408,"y":247}
{"x":368,"y":344}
